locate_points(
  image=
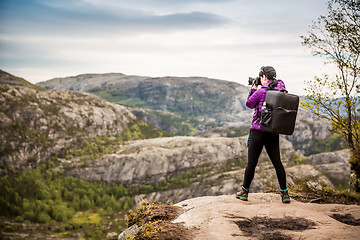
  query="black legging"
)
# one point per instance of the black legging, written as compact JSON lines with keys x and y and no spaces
{"x":258,"y":139}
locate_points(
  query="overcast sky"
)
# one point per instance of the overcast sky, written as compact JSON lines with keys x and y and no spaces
{"x":222,"y":39}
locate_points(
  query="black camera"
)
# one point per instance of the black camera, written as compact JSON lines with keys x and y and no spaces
{"x":254,"y":81}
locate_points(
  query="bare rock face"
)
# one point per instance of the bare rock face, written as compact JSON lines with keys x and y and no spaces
{"x":209,"y":166}
{"x":150,"y":161}
{"x":35,"y":124}
{"x":334,"y":164}
{"x":307,"y":126}
{"x":265,"y":217}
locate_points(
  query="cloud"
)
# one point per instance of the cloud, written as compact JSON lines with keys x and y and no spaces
{"x":224,"y":39}
{"x":72,"y":17}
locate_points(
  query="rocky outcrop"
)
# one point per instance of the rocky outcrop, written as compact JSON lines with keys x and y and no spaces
{"x":36,"y":124}
{"x":8,"y":79}
{"x":308,"y":126}
{"x":153,"y":160}
{"x":265,"y":217}
{"x":335,"y":165}
{"x":208,"y":166}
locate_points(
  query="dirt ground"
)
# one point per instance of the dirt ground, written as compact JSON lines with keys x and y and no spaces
{"x":265,"y":217}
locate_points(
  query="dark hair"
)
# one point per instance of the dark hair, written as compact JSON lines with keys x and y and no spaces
{"x":268,"y":71}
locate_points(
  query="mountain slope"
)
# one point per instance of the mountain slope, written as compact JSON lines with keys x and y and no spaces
{"x":37,"y":125}
{"x":185,"y":95}
{"x":199,"y":102}
{"x":7,"y":78}
{"x":194,"y":106}
{"x":84,"y":82}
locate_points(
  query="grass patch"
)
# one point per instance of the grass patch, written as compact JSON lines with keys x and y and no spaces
{"x":296,"y":159}
{"x":93,"y":148}
{"x":85,"y":218}
{"x":154,"y":222}
{"x":305,"y":192}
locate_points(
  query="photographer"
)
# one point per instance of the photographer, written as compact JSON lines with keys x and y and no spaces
{"x":258,"y":138}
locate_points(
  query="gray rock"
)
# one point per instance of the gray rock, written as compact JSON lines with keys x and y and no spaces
{"x":334,"y":164}
{"x":150,"y":161}
{"x":44,"y":122}
{"x":131,"y":231}
{"x":111,"y":235}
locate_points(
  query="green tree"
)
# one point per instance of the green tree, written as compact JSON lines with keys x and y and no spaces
{"x":336,"y":37}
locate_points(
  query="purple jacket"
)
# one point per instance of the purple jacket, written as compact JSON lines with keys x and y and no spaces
{"x":256,"y":99}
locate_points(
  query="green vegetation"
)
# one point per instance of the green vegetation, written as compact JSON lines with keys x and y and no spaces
{"x":182,"y":109}
{"x":355,"y":167}
{"x":45,"y":196}
{"x":141,"y":130}
{"x":62,"y":205}
{"x":178,"y":125}
{"x":40,"y":195}
{"x":32,"y":137}
{"x":296,"y":159}
{"x":93,"y":148}
{"x":13,"y":80}
{"x":336,"y":36}
{"x":181,"y":181}
{"x":155,"y":222}
{"x":329,"y":144}
{"x":306,"y":192}
{"x":122,"y":96}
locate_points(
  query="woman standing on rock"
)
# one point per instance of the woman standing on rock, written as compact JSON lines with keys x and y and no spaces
{"x":258,"y":138}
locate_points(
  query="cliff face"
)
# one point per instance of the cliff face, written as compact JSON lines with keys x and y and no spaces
{"x":36,"y":124}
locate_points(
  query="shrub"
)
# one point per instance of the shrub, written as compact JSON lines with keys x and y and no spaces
{"x":43,"y":217}
{"x":19,"y":219}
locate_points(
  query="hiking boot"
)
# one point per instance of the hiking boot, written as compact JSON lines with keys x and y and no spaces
{"x":285,"y":195}
{"x":243,"y":194}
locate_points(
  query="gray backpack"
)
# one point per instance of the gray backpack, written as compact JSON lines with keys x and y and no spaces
{"x":278,"y":114}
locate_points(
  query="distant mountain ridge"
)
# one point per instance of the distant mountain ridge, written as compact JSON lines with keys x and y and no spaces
{"x":192,"y":106}
{"x":185,"y":95}
{"x":84,"y":82}
{"x":198,"y":103}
